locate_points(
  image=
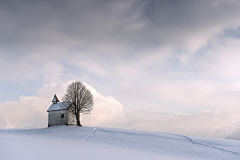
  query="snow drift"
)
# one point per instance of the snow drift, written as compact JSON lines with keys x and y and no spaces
{"x":67,"y":142}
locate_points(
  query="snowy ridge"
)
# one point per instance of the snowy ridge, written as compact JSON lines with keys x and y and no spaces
{"x":91,"y":143}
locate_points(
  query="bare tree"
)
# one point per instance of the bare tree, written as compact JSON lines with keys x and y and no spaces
{"x":80,"y":98}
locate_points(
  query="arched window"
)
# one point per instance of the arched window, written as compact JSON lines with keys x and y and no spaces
{"x":62,"y":116}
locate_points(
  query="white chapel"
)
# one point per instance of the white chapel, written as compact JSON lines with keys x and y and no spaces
{"x":58,"y":114}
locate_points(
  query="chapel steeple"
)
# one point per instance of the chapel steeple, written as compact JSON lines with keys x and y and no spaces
{"x":55,"y":99}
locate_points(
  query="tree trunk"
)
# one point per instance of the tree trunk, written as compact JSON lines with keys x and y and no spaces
{"x":78,"y":119}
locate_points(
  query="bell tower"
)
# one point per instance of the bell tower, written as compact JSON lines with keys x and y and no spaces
{"x":55,"y":99}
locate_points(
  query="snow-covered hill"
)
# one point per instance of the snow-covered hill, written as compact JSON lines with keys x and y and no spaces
{"x":234,"y":136}
{"x":228,"y":133}
{"x":67,"y":142}
{"x":224,"y":132}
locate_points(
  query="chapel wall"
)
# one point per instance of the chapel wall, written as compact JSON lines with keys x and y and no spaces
{"x":55,"y":118}
{"x":71,"y":119}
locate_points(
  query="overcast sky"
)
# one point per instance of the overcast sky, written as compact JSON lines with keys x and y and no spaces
{"x":169,"y":66}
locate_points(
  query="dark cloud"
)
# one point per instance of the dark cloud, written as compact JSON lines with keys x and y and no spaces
{"x":91,"y":24}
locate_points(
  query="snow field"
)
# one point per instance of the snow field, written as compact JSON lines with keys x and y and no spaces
{"x":89,"y":143}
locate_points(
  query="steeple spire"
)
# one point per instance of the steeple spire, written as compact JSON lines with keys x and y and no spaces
{"x":55,"y":99}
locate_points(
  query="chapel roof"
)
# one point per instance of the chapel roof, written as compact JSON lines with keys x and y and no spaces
{"x":59,"y":106}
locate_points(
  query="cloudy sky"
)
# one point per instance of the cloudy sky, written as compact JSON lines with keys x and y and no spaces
{"x":156,"y":65}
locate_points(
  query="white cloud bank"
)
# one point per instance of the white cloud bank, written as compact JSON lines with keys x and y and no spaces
{"x":30,"y":112}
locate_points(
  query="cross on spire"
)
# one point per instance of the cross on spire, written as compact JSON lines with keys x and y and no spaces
{"x":55,"y":99}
